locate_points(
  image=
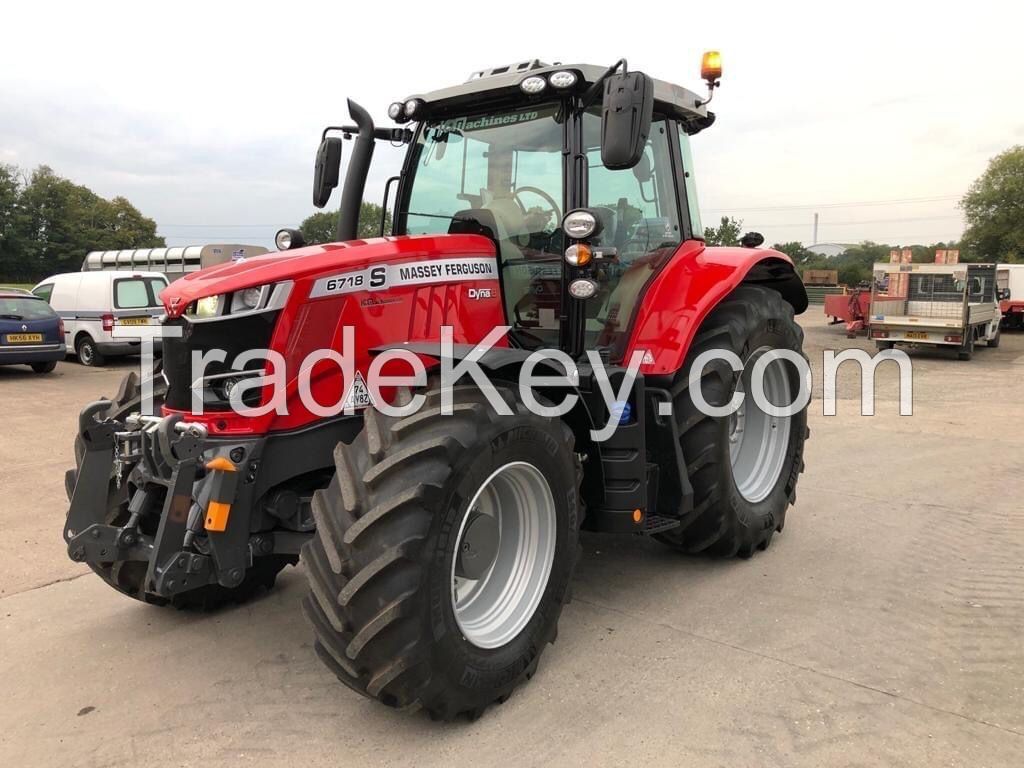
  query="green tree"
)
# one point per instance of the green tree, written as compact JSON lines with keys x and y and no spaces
{"x":49,"y":223}
{"x":994,"y":209}
{"x":726,"y":233}
{"x":12,"y":226}
{"x":322,"y":227}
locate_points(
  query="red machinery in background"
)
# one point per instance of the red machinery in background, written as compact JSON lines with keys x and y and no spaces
{"x":851,"y":308}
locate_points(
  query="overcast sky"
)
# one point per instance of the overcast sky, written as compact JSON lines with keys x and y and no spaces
{"x":207,"y":115}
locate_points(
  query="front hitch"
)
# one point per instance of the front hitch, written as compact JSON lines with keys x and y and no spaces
{"x":166,"y":452}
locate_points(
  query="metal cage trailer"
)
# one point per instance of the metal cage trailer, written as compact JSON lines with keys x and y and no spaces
{"x":940,"y":305}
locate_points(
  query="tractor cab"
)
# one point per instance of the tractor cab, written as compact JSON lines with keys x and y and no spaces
{"x":517,"y":152}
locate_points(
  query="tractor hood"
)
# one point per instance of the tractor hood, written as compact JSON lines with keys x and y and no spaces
{"x":312,"y":261}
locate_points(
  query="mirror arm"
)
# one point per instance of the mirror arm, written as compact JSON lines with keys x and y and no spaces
{"x":592,"y":93}
{"x":384,"y":204}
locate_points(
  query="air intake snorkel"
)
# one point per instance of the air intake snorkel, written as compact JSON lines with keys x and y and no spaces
{"x":358,"y":168}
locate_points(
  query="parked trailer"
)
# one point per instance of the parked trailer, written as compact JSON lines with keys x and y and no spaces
{"x":173,"y":262}
{"x":942,"y":305}
{"x":1010,"y":286}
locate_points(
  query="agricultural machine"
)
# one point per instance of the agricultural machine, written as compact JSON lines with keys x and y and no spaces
{"x":557,"y":202}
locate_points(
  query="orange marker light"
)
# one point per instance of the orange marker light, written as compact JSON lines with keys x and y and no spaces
{"x":637,"y":515}
{"x":711,"y":66}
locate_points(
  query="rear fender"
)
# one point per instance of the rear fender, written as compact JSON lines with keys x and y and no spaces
{"x":690,"y":286}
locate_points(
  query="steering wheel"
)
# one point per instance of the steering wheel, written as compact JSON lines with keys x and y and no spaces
{"x":547,"y":199}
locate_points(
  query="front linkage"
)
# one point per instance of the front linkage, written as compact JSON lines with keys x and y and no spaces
{"x":179,"y":510}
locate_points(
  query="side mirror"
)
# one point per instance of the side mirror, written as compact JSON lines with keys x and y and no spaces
{"x":752,"y":240}
{"x":626,"y":113}
{"x":326,"y":171}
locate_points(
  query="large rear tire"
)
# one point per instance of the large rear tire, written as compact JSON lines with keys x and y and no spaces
{"x":128,"y":577}
{"x":401,"y":611}
{"x":743,"y":468}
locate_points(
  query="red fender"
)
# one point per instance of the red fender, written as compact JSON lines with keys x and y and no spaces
{"x":685,"y":291}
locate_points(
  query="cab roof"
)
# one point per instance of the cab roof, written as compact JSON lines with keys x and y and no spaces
{"x":502,"y":83}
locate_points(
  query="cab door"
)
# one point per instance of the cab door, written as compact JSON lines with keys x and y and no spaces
{"x":643,"y":225}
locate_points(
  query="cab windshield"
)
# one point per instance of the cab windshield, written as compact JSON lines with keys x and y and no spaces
{"x":509,"y":165}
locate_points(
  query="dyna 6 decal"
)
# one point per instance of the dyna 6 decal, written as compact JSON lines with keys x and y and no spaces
{"x":426,"y":272}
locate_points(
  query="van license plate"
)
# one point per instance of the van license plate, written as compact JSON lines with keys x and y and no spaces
{"x":134,"y":321}
{"x":24,"y":338}
{"x":916,"y":335}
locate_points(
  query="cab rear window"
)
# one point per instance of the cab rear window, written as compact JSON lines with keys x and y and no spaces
{"x":28,"y":308}
{"x":137,"y":292}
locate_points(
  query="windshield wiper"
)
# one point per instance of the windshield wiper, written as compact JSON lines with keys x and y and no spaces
{"x":11,"y":317}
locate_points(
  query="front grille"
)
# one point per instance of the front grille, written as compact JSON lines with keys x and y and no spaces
{"x":232,"y":335}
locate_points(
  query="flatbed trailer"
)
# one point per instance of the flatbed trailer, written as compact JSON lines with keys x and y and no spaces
{"x":937,"y":305}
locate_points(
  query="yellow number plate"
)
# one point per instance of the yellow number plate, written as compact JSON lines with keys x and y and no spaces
{"x":24,"y":338}
{"x":916,"y":335}
{"x":133,"y":321}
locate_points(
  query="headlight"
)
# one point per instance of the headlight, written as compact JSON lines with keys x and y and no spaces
{"x":563,"y":79}
{"x":208,"y":307}
{"x":579,"y":224}
{"x":395,"y":110}
{"x":534,"y":84}
{"x":251,"y":297}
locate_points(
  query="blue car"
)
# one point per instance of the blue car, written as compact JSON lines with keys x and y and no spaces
{"x":31,"y":333}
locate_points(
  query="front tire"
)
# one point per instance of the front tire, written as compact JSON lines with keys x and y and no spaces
{"x":390,"y":616}
{"x":741,"y":491}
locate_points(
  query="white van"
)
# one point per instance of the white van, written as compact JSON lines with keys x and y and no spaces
{"x":106,"y":313}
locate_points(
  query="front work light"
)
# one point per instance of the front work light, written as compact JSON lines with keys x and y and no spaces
{"x":412,"y":108}
{"x":286,"y":239}
{"x":395,"y":110}
{"x":563,"y":79}
{"x":579,"y":224}
{"x":533,"y":85}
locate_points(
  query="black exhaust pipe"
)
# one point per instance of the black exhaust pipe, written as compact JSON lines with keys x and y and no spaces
{"x":358,"y":169}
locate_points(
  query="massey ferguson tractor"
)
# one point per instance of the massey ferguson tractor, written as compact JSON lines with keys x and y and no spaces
{"x":549,"y":211}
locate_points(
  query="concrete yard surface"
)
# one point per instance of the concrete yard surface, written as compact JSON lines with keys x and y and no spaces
{"x":883,"y":627}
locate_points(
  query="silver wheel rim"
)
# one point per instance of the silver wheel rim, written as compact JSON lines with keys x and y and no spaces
{"x":494,"y":608}
{"x":758,"y":441}
{"x":85,"y":352}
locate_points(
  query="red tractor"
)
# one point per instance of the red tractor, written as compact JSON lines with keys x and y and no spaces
{"x":539,"y":208}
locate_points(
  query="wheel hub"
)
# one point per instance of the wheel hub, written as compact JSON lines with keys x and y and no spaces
{"x":759,"y":441}
{"x":479,"y":546}
{"x":503,"y":555}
